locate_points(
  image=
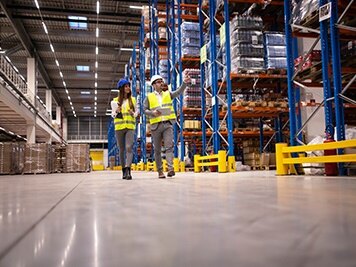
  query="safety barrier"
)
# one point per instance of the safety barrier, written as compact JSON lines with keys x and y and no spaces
{"x":151,"y":166}
{"x":218,"y":160}
{"x":285,"y":162}
{"x":178,"y":165}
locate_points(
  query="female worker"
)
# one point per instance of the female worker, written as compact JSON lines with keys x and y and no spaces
{"x":124,"y":112}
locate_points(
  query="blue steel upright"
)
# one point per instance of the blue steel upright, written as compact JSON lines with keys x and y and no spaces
{"x":172,"y":60}
{"x":297,"y":93}
{"x":202,"y":79}
{"x":339,"y":105}
{"x":325,"y":68}
{"x":214,"y":72}
{"x":230,"y":134}
{"x":181,"y":115}
{"x":134,"y":94}
{"x":142,"y":89}
{"x":290,"y":71}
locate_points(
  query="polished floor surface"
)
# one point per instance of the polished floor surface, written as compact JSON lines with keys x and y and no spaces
{"x":241,"y":219}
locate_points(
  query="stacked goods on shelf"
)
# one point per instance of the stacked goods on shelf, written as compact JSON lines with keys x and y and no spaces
{"x":162,"y":33}
{"x":251,"y":152}
{"x":77,"y":156}
{"x":18,"y":157}
{"x":147,"y":59}
{"x":348,"y":49}
{"x":220,"y":58}
{"x":304,"y":10}
{"x":261,"y":99}
{"x":190,"y":39}
{"x":192,"y":94}
{"x":163,"y":69}
{"x":192,"y":125}
{"x":313,"y":58}
{"x":247,"y":54}
{"x":276,"y":53}
{"x":60,"y":158}
{"x":38,"y":158}
{"x":6,"y":152}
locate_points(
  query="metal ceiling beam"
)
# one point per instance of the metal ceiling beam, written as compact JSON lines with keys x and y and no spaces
{"x":28,"y":45}
{"x":91,"y":21}
{"x":68,"y":11}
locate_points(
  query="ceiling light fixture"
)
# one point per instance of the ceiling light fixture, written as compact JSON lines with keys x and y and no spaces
{"x":44,"y":27}
{"x":96,"y":51}
{"x":136,"y":7}
{"x":127,"y":49}
{"x":38,"y":7}
{"x":52,"y":49}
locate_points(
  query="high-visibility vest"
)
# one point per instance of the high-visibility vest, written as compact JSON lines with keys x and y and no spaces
{"x":166,"y":103}
{"x":128,"y":121}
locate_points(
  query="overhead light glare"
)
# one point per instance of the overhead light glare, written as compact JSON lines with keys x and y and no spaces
{"x":97,"y":50}
{"x":37,"y":5}
{"x":136,"y":7}
{"x":97,"y":7}
{"x":85,"y":93}
{"x":52,"y":48}
{"x":96,"y":64}
{"x":97,"y":32}
{"x":44,"y":27}
{"x":61,"y":74}
{"x":57,"y":63}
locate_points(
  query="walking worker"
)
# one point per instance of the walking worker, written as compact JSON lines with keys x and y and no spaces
{"x":124,"y":111}
{"x":158,"y":106}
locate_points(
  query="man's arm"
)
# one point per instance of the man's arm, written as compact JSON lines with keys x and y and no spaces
{"x":146,"y":108}
{"x":179,"y":91}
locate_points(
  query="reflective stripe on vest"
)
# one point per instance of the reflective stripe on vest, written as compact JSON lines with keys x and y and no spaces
{"x":166,"y":103}
{"x":127,"y":121}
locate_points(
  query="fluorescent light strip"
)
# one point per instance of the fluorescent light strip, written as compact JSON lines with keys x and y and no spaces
{"x":96,"y":75}
{"x":57,"y":63}
{"x":97,"y":32}
{"x":8,"y":59}
{"x":95,"y":98}
{"x":64,"y":84}
{"x":96,"y":92}
{"x":97,"y":50}
{"x":97,"y":7}
{"x":136,"y":7}
{"x":52,"y":47}
{"x":61,"y":74}
{"x":67,"y":92}
{"x":96,"y":84}
{"x":127,"y":49}
{"x":96,"y":64}
{"x":38,"y":7}
{"x":44,"y":27}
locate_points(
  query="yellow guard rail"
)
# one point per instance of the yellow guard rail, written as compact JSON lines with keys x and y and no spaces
{"x":285,"y":161}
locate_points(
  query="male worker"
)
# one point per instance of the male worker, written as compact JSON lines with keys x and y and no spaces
{"x":158,"y":106}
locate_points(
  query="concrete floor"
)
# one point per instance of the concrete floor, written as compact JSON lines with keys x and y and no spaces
{"x":241,"y":219}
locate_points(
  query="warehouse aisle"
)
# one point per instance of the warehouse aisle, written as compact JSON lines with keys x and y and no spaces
{"x":240,"y":219}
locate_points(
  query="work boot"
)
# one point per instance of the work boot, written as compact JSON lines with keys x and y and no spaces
{"x":171,"y":173}
{"x":161,"y":175}
{"x":128,"y":173}
{"x":124,"y":173}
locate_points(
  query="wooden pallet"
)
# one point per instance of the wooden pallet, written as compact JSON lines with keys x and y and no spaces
{"x":277,"y":71}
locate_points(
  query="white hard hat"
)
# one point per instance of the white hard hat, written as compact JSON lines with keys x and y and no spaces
{"x":155,"y":78}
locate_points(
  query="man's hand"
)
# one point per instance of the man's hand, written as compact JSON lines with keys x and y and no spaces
{"x":131,"y":112}
{"x":187,"y":79}
{"x":156,"y":113}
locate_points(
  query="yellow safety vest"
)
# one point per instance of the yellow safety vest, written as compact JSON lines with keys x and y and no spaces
{"x":128,"y":121}
{"x":166,"y":103}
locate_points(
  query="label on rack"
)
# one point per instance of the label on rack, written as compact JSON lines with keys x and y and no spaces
{"x":222,"y":35}
{"x":213,"y":101}
{"x":203,"y":56}
{"x":254,"y":39}
{"x":325,"y":12}
{"x":193,"y":81}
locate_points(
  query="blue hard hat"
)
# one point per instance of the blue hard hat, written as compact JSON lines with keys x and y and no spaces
{"x":122,"y":82}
